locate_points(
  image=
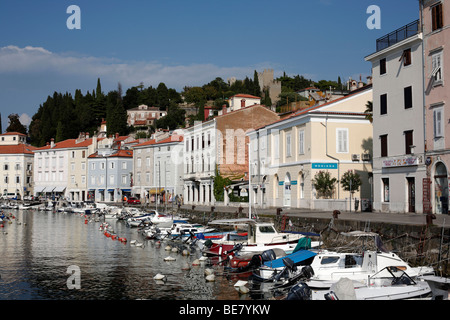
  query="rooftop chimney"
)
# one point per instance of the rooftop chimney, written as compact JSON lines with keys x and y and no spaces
{"x":224,"y":109}
{"x":52,"y":143}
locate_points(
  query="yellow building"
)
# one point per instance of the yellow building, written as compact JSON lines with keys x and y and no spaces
{"x":334,"y":137}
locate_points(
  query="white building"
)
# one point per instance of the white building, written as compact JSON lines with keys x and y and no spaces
{"x":158,"y":169}
{"x":200,"y":159}
{"x":398,"y":121}
{"x":61,"y":168}
{"x":16,"y":166}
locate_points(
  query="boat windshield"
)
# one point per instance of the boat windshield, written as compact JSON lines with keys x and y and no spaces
{"x":266,"y":229}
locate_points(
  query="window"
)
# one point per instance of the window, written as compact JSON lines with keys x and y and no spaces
{"x":436,"y":72}
{"x":288,"y":145}
{"x":385,"y":189}
{"x":301,"y":142}
{"x":342,"y":140}
{"x":124,"y":179}
{"x":275,"y":147}
{"x":382,"y":66}
{"x":383,"y":104}
{"x":437,"y":17}
{"x":406,"y":57}
{"x":384,"y":145}
{"x":438,"y":123}
{"x":408,"y":97}
{"x":408,"y":141}
{"x":124,"y":164}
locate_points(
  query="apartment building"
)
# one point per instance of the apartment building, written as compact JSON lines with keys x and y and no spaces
{"x":220,"y":147}
{"x":399,"y":167}
{"x":61,"y":168}
{"x":158,"y":169}
{"x":110,"y":172}
{"x":435,"y":17}
{"x":286,"y":155}
{"x":16,"y":166}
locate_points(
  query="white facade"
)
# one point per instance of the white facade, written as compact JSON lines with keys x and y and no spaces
{"x":398,"y":126}
{"x":158,"y":170}
{"x":51,"y":172}
{"x":16,"y":166}
{"x":199,"y":162}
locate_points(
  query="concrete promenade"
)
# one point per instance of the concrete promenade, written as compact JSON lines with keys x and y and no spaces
{"x":393,"y":218}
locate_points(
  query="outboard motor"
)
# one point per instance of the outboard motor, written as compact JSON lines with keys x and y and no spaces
{"x":289,"y":266}
{"x":300,"y":291}
{"x":268,"y":255}
{"x":307,"y":272}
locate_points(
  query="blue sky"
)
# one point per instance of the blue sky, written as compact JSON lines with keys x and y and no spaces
{"x":181,"y":43}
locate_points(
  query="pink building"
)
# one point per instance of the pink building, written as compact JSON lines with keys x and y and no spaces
{"x":435,"y":17}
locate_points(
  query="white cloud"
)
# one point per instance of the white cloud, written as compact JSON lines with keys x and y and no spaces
{"x":36,"y":60}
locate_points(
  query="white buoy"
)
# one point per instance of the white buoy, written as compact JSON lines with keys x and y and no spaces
{"x":185,"y":266}
{"x":132,"y":241}
{"x":240,"y":283}
{"x":159,"y":276}
{"x":209,"y":272}
{"x":203,"y":258}
{"x":174,"y":249}
{"x":243,"y":290}
{"x":210,"y":278}
{"x":168,"y":248}
{"x":185,"y":252}
{"x":196,"y":262}
{"x":169,"y":258}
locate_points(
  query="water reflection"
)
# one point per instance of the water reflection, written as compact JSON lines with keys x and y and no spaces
{"x":37,"y":248}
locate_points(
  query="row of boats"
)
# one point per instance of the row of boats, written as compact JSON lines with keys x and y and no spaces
{"x":292,"y":265}
{"x":289,"y":265}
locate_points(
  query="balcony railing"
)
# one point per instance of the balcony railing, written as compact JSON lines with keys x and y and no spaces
{"x":398,"y":35}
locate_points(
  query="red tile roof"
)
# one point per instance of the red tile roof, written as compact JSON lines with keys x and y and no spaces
{"x":68,"y":144}
{"x":17,"y":149}
{"x":118,"y":154}
{"x":242,"y":95}
{"x":13,"y":134}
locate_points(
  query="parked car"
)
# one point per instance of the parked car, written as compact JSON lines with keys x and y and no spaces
{"x":133,"y":200}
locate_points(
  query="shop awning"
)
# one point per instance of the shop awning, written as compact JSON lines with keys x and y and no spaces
{"x":155,"y":191}
{"x":39,"y":189}
{"x":126,"y":190}
{"x":59,"y":189}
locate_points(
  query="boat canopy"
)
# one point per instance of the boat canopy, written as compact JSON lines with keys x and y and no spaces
{"x":296,"y":257}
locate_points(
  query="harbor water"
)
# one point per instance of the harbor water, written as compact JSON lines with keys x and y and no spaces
{"x":48,"y":255}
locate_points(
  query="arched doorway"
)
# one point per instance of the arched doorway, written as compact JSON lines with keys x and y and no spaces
{"x":440,"y":188}
{"x":287,"y":190}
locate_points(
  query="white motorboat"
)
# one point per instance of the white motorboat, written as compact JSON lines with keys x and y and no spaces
{"x":178,"y":229}
{"x":141,"y":220}
{"x":261,"y":236}
{"x":329,"y":267}
{"x":399,"y":286}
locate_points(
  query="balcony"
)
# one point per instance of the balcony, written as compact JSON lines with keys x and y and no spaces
{"x":398,"y":35}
